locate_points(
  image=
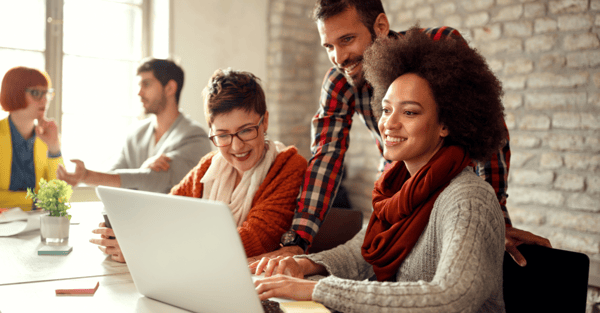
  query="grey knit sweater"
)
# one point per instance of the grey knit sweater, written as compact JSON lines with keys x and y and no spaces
{"x":456,"y":265}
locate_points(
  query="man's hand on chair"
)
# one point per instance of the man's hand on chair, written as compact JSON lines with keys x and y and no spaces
{"x":515,"y":237}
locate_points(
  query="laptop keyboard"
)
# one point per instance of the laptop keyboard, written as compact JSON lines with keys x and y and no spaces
{"x":271,"y":306}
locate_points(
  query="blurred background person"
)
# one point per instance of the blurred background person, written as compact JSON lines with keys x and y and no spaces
{"x":160,"y":151}
{"x":29,"y":141}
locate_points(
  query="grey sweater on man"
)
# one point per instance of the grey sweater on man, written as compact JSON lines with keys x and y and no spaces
{"x":185,"y":143}
{"x":456,"y":265}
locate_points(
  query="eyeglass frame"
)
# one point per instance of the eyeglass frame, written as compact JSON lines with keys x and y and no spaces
{"x":48,"y":93}
{"x":236,"y":134}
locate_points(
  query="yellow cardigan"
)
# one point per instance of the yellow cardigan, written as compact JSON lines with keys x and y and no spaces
{"x":44,"y":167}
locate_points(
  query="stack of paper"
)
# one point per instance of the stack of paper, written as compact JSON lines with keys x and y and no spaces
{"x":15,"y":221}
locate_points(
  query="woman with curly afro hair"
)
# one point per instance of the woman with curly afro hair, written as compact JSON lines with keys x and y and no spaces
{"x":467,"y":94}
{"x":435,"y":241}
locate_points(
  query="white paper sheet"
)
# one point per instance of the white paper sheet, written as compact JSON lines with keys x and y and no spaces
{"x":16,"y":221}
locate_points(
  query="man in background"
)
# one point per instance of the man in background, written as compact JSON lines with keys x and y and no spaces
{"x":160,"y":150}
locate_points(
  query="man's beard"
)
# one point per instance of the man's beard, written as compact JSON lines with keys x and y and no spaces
{"x":357,"y":80}
{"x":156,"y":106}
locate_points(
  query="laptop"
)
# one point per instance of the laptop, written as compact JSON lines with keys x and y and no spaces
{"x":182,"y":251}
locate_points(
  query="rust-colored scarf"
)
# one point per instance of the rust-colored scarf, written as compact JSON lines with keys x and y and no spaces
{"x":401,"y":208}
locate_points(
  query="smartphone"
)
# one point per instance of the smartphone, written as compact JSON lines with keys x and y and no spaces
{"x":107,"y":224}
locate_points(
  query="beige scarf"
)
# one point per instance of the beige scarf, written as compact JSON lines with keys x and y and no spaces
{"x":219,"y":181}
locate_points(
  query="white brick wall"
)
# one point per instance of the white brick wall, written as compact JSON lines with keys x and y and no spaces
{"x":290,"y":88}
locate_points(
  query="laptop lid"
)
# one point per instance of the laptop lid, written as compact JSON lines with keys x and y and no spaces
{"x":180,"y":250}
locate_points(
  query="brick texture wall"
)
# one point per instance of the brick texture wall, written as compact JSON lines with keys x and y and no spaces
{"x":289,"y":85}
{"x":547,"y":55}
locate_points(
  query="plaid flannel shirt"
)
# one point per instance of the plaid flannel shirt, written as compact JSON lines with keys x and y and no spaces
{"x":331,"y":137}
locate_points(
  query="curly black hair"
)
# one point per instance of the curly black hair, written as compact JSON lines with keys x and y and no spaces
{"x":467,"y":94}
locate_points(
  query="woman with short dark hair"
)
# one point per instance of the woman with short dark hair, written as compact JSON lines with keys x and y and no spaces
{"x":257,"y":178}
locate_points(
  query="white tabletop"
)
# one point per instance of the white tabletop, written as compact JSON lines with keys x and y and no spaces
{"x":20,"y":262}
{"x":116,"y":293}
{"x":28,"y":281}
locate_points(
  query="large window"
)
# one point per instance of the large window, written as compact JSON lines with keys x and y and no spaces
{"x":23,"y":39}
{"x":91,"y":49}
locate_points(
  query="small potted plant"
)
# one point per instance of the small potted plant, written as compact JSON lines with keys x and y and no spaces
{"x":53,"y":197}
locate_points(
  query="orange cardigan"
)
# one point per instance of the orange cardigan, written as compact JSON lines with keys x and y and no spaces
{"x":273,"y":205}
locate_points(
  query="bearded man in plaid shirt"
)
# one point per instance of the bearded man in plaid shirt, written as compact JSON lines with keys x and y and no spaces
{"x":347,"y":28}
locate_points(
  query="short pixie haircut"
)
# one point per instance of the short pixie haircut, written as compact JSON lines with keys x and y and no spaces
{"x":228,"y":90}
{"x":14,"y":83}
{"x":467,"y":94}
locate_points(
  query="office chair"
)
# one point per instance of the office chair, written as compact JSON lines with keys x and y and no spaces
{"x":339,"y":226}
{"x":554,"y":280}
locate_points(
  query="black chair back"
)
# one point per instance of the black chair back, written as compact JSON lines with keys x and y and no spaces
{"x":339,"y":226}
{"x":554,"y":280}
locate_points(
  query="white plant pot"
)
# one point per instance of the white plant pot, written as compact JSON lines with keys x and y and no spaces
{"x":54,"y":229}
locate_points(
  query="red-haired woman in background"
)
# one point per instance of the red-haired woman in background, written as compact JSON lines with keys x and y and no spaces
{"x":28,"y":151}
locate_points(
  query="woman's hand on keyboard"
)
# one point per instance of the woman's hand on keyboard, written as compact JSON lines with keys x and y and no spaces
{"x":279,"y":265}
{"x":283,"y":286}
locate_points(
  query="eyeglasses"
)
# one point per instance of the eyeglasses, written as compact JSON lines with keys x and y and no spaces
{"x":245,"y":134}
{"x":39,"y":94}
